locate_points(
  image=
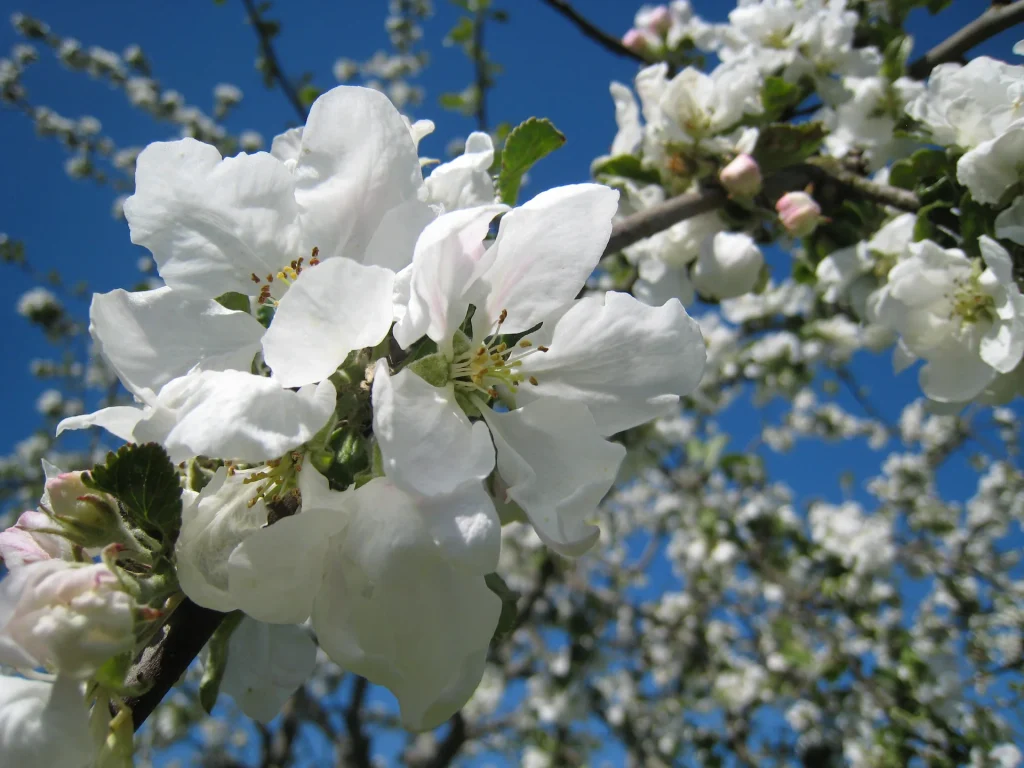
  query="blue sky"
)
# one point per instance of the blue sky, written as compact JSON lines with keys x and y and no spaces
{"x":550,"y":71}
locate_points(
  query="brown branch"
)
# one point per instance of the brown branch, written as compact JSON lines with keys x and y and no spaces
{"x":272,"y":62}
{"x":599,"y":36}
{"x":480,"y":69}
{"x":358,"y":752}
{"x":452,"y":743}
{"x":993,"y":21}
{"x":160,"y":664}
{"x":660,"y":217}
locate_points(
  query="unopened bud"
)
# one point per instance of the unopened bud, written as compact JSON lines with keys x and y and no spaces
{"x":32,"y":539}
{"x":636,"y":41}
{"x":656,"y":20}
{"x":741,"y":177}
{"x":90,"y":517}
{"x":799,"y":213}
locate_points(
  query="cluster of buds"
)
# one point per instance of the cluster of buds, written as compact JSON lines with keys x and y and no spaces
{"x":652,"y":24}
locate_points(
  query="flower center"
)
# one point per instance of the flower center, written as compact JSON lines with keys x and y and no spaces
{"x":278,"y":479}
{"x":969,"y":301}
{"x":287,"y":276}
{"x":484,"y":367}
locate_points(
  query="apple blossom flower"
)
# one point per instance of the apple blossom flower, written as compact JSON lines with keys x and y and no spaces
{"x":799,"y":213}
{"x":44,"y":724}
{"x":67,"y":616}
{"x":741,"y":177}
{"x":639,"y":40}
{"x":966,"y":322}
{"x":392,"y":581}
{"x":729,"y":265}
{"x":548,"y":395}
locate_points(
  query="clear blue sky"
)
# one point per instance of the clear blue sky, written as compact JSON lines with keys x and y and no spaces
{"x":551,"y":71}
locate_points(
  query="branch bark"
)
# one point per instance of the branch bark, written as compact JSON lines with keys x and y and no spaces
{"x":660,"y":217}
{"x":161,"y":663}
{"x":274,"y":64}
{"x":993,"y":21}
{"x":589,"y":29}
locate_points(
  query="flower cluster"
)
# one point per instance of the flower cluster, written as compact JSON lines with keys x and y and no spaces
{"x":374,"y":370}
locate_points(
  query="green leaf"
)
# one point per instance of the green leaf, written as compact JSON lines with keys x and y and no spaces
{"x":627,"y":167}
{"x":894,"y":60}
{"x":779,"y":95}
{"x":308,"y":94}
{"x":461,"y":33}
{"x":234,"y":300}
{"x":217,"y":661}
{"x":146,"y":483}
{"x":781,"y":145}
{"x":526,"y":144}
{"x":509,"y":611}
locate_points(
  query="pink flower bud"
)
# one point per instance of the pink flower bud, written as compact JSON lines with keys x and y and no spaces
{"x":635,"y":40}
{"x":741,"y":177}
{"x":656,"y":20}
{"x":799,"y":213}
{"x":26,"y":541}
{"x":89,"y":517}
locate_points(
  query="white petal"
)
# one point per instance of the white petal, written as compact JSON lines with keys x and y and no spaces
{"x":266,"y":663}
{"x":394,"y":242}
{"x":118,"y":420}
{"x":449,"y":256}
{"x":286,"y":146}
{"x":332,"y":309}
{"x":395,"y":609}
{"x":273,"y":575}
{"x":628,"y":362}
{"x":545,"y":251}
{"x":151,"y":337}
{"x":1010,"y":223}
{"x":955,"y":374}
{"x":428,"y":444}
{"x":212,"y":526}
{"x":627,"y":118}
{"x":43,"y":725}
{"x":557,"y":467}
{"x":211,"y":223}
{"x":465,"y":181}
{"x":357,"y":162}
{"x":991,"y":168}
{"x":234,"y":415}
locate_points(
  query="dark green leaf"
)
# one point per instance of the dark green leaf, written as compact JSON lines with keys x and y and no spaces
{"x":145,"y":481}
{"x":781,"y":145}
{"x":526,"y":144}
{"x":627,"y":167}
{"x":509,"y":612}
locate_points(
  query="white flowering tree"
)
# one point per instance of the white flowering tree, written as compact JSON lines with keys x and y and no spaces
{"x":383,"y":463}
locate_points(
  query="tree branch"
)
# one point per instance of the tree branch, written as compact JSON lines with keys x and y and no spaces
{"x":993,"y":21}
{"x":599,"y":36}
{"x":480,"y":69}
{"x":161,"y":663}
{"x":358,"y":752}
{"x":452,"y":743}
{"x":660,"y":217}
{"x":272,"y":62}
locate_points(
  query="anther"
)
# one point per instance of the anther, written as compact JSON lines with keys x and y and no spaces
{"x":542,"y":348}
{"x":525,"y":343}
{"x":533,"y":380}
{"x":502,"y":316}
{"x":254,"y":278}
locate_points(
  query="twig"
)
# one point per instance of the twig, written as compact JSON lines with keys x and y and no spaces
{"x":480,"y":69}
{"x":161,"y":664}
{"x":452,"y":743}
{"x":599,"y":36}
{"x":660,"y":217}
{"x":272,"y":62}
{"x":358,"y":753}
{"x":993,"y":21}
